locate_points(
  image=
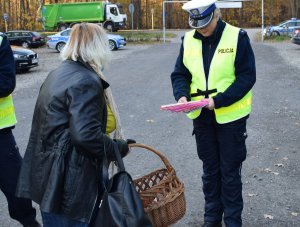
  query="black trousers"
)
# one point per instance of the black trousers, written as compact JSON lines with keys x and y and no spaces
{"x":222,"y":149}
{"x":10,"y":164}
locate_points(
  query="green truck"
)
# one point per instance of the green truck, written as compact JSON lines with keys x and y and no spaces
{"x":64,"y":15}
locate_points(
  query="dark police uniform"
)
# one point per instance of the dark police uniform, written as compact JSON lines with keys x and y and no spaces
{"x":10,"y":159}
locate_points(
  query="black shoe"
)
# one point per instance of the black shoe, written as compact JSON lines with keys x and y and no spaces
{"x":34,"y":224}
{"x":212,"y":224}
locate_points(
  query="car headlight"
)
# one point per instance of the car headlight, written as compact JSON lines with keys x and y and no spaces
{"x":18,"y":56}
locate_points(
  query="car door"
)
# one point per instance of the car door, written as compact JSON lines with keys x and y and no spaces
{"x":19,"y":38}
{"x":27,"y":36}
{"x":65,"y":35}
{"x":290,"y":27}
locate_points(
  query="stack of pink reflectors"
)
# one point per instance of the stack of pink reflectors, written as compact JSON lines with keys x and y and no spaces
{"x":185,"y":107}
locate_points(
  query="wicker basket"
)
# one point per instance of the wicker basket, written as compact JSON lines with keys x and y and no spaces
{"x":162,"y":193}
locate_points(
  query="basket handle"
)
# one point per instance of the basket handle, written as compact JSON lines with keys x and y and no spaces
{"x":159,"y":154}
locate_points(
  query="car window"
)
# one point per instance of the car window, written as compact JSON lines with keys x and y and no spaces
{"x":66,"y":33}
{"x":113,"y":10}
{"x":291,"y":24}
{"x":282,"y":24}
{"x":25,"y":34}
{"x":17,"y":34}
{"x":9,"y":34}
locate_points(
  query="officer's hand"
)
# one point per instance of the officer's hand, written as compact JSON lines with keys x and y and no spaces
{"x":211,"y":103}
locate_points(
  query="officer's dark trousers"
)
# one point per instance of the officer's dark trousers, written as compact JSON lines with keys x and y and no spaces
{"x":222,"y":149}
{"x":10,"y":164}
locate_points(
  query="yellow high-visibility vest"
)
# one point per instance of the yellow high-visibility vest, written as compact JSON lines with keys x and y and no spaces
{"x":7,"y":110}
{"x":221,"y":73}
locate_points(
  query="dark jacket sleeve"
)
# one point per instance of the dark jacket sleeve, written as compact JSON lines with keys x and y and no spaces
{"x":85,"y":121}
{"x":181,"y":77}
{"x":245,"y":72}
{"x":7,"y":69}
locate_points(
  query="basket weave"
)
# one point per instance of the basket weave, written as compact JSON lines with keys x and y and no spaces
{"x":161,"y":192}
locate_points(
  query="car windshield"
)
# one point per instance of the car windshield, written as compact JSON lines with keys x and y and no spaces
{"x":66,"y":33}
{"x":288,"y":22}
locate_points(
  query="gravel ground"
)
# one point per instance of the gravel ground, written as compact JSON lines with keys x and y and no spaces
{"x":271,"y":172}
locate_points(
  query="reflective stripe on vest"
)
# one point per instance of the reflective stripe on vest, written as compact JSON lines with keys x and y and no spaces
{"x":7,"y":110}
{"x":221,"y":73}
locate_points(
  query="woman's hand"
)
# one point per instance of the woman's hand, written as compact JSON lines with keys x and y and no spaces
{"x":183,"y":99}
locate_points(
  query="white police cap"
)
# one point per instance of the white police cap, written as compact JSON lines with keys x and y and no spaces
{"x":201,"y":12}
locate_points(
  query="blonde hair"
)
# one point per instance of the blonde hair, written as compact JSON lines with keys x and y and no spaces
{"x":217,"y":13}
{"x":89,"y":43}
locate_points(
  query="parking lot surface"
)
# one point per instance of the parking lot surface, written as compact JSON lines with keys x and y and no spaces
{"x":139,"y":77}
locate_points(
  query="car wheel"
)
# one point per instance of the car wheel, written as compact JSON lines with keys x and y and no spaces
{"x":274,"y":33}
{"x":60,"y":46}
{"x":112,"y":45}
{"x":25,"y":44}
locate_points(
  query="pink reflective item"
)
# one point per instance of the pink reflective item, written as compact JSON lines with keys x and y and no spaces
{"x":185,"y":107}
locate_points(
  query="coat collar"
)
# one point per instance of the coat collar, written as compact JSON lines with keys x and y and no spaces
{"x":216,"y":34}
{"x":87,"y":66}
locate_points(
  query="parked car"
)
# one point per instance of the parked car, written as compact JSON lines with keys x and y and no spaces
{"x":59,"y":40}
{"x":284,"y":28}
{"x":116,"y":41}
{"x":25,"y":59}
{"x":296,"y":36}
{"x":25,"y":38}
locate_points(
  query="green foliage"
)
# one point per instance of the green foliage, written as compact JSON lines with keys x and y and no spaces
{"x":48,"y":33}
{"x":278,"y":38}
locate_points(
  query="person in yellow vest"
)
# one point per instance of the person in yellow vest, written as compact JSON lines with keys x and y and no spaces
{"x":10,"y":158}
{"x":216,"y":63}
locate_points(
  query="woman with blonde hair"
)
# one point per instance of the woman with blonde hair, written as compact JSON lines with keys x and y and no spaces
{"x":73,"y":117}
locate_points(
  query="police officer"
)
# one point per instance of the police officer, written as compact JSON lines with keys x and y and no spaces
{"x":216,"y":62}
{"x":10,"y":159}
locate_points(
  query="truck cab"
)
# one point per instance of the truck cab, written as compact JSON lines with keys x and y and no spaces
{"x":114,"y":19}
